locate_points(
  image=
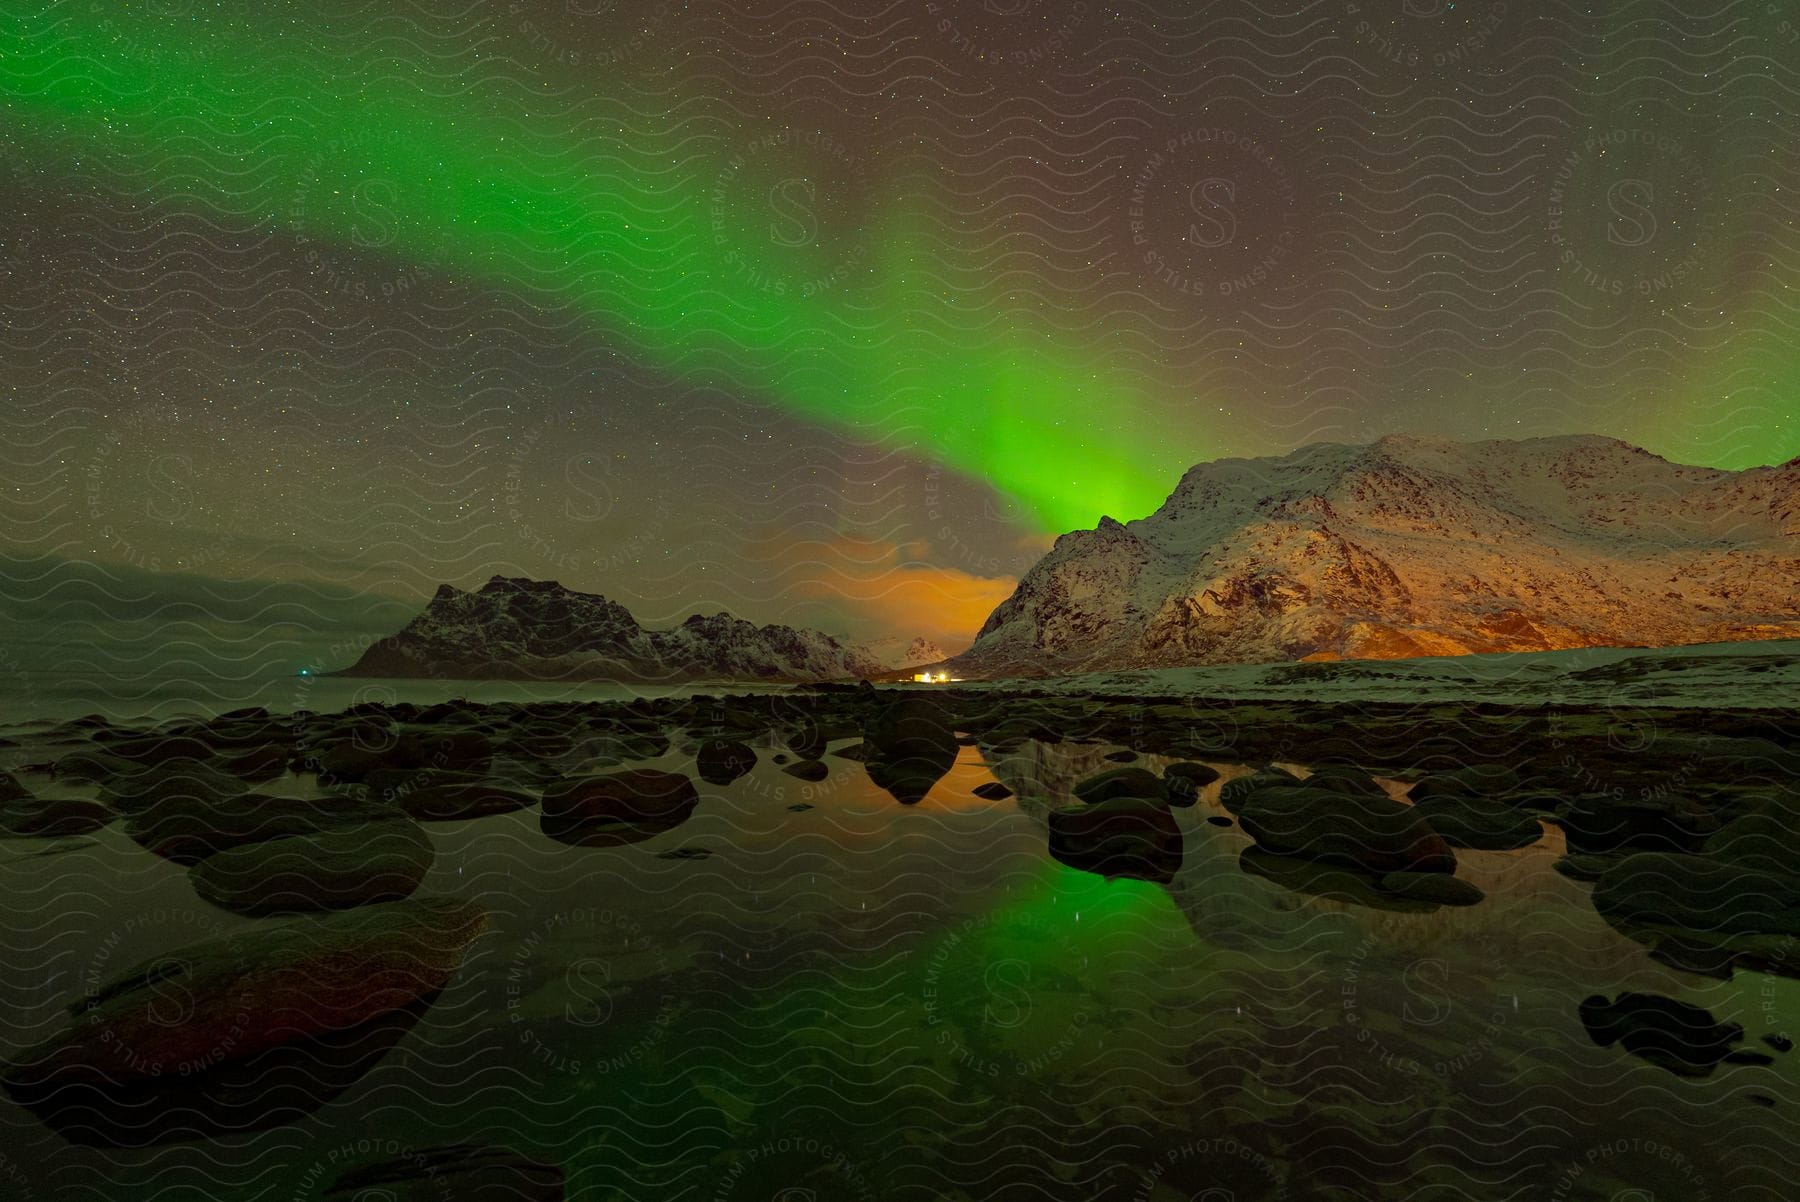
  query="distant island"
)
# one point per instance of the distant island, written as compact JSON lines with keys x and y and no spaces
{"x":514,"y":629}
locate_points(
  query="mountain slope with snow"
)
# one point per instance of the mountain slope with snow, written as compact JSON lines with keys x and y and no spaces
{"x":1414,"y":547}
{"x":897,"y":653}
{"x":537,"y":630}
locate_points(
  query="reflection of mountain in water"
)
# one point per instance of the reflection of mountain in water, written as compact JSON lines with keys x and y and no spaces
{"x":1224,"y":907}
{"x":1252,"y":904}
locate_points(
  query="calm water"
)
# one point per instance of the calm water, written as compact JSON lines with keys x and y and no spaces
{"x":202,"y":691}
{"x":864,"y":1000}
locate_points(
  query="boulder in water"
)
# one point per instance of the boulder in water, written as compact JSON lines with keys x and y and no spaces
{"x":459,"y":801}
{"x":1483,"y":823}
{"x":1470,"y":780}
{"x":188,"y":829}
{"x":721,"y":761}
{"x":617,"y":808}
{"x":808,"y":770}
{"x":1704,"y":894}
{"x":1342,"y":778}
{"x":335,"y":869}
{"x":1599,"y":824}
{"x":245,"y":1032}
{"x":1133,"y":837}
{"x":911,"y":744}
{"x":28,"y":817}
{"x":634,"y":795}
{"x":1674,"y":1035}
{"x":1238,"y":788}
{"x":1437,"y":887}
{"x":1191,"y":770}
{"x":1122,"y":782}
{"x":1375,"y":834}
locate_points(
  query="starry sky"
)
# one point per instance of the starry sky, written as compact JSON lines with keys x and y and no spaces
{"x":834,"y":312}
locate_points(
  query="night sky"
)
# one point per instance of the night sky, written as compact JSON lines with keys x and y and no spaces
{"x":828,"y":311}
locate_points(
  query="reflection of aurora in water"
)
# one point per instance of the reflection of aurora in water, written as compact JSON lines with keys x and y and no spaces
{"x":859,"y":968}
{"x":523,"y":205}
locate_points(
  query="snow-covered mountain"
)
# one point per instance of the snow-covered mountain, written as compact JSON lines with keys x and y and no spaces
{"x":1413,"y":547}
{"x":897,"y":654}
{"x":538,"y":630}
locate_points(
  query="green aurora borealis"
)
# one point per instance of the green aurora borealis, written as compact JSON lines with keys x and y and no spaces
{"x":1049,"y":279}
{"x":518,"y":203}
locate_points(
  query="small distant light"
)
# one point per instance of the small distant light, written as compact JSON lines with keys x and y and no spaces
{"x":306,"y":671}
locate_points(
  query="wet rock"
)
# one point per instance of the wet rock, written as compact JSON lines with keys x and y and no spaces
{"x":1122,"y":782}
{"x":465,"y":750}
{"x":1238,"y":788}
{"x":1375,"y":834}
{"x":808,"y":740}
{"x":261,"y":763}
{"x":992,"y":791}
{"x":634,"y":795}
{"x":721,"y":761}
{"x":623,"y":746}
{"x":475,"y":1172}
{"x":188,"y":783}
{"x":856,"y":752}
{"x":154,"y":750}
{"x":272,"y":1023}
{"x":1437,"y":887}
{"x":188,"y":830}
{"x":1674,"y":1035}
{"x":458,"y":801}
{"x":808,"y":770}
{"x":93,"y":765}
{"x":617,"y":808}
{"x":1191,"y":770}
{"x":1121,"y":837}
{"x":1320,"y":878}
{"x":1181,"y":791}
{"x":1585,"y":868}
{"x":1480,"y":822}
{"x":1477,"y":780}
{"x":1599,"y":824}
{"x":800,"y":807}
{"x":1780,"y":1043}
{"x":1219,"y":820}
{"x":685,"y":853}
{"x":12,"y":790}
{"x":1341,"y":778}
{"x":25,"y":816}
{"x":335,"y":869}
{"x":1122,"y":757}
{"x":1698,"y":957}
{"x":1759,"y":842}
{"x":912,"y":744}
{"x":1700,"y":894}
{"x":372,"y":746}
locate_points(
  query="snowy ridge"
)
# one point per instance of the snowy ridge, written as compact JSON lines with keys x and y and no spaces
{"x":897,"y":654}
{"x":1414,"y":547}
{"x":538,"y":630}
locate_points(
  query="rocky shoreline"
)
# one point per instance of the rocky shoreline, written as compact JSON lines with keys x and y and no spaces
{"x":314,"y":826}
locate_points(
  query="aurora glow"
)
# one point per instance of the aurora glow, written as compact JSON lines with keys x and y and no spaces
{"x":1034,"y":267}
{"x":516,"y":204}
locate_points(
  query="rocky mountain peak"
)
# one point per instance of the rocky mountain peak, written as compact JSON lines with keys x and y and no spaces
{"x":514,"y":628}
{"x":1413,"y":546}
